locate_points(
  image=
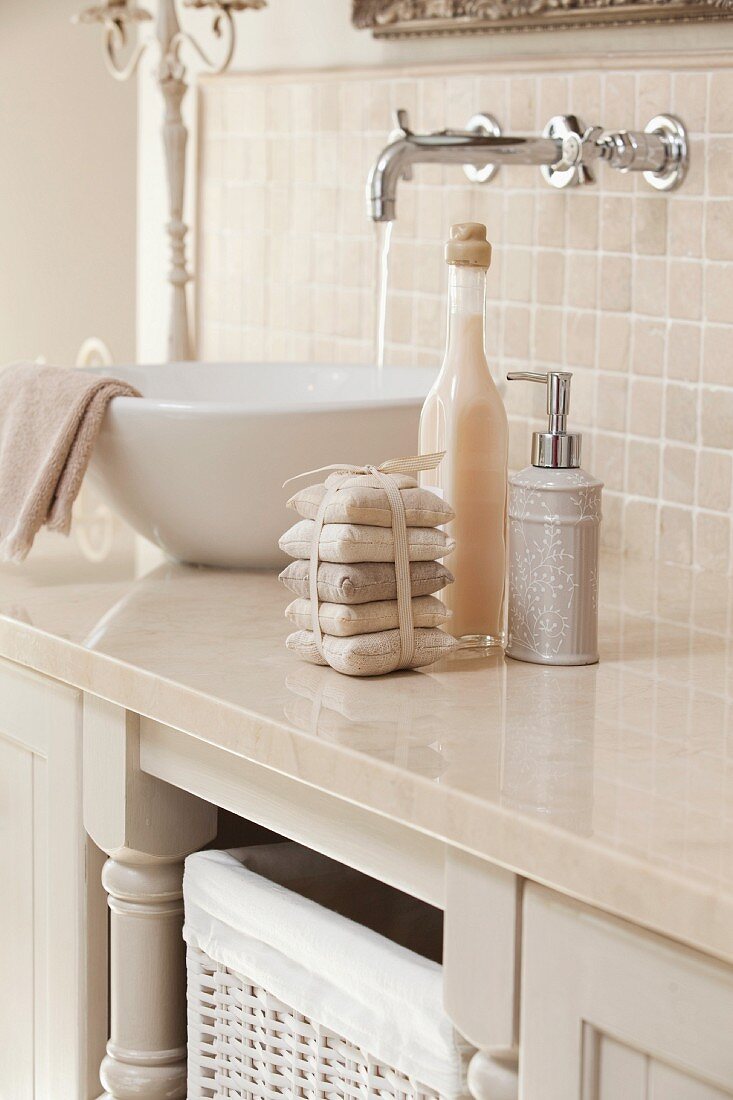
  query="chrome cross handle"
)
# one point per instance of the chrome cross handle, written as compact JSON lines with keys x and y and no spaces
{"x":659,"y":151}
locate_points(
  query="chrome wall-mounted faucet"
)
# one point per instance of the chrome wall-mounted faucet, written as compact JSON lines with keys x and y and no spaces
{"x":566,"y":153}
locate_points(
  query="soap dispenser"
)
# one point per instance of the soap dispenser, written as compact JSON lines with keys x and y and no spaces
{"x":553,"y":539}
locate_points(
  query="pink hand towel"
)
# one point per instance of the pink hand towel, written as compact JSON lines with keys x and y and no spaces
{"x":49,"y":421}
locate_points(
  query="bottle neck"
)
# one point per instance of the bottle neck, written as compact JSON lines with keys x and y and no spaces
{"x":466,"y":305}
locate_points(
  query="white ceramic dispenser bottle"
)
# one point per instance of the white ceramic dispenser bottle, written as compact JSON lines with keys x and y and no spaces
{"x":464,"y":416}
{"x":554,"y":522}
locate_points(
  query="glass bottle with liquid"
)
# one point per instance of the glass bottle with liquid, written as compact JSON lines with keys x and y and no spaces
{"x":464,"y":416}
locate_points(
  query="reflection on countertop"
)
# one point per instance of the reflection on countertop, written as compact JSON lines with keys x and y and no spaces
{"x":629,"y":760}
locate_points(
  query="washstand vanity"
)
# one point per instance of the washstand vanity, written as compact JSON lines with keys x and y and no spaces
{"x":575,"y":825}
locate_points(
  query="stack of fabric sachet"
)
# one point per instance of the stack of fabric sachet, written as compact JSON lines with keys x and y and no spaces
{"x":366,"y":568}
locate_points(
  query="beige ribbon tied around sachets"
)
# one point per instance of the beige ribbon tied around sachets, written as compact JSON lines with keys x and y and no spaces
{"x":380,"y":476}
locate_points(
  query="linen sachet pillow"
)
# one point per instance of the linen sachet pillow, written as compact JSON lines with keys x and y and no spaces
{"x":367,"y":503}
{"x":355,"y":542}
{"x":371,"y":654}
{"x":344,"y":620}
{"x":362,"y":582}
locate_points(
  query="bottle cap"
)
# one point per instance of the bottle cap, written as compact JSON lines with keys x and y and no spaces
{"x":557,"y":448}
{"x":468,"y":245}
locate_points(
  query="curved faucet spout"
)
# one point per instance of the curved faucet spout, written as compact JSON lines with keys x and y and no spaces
{"x":458,"y":147}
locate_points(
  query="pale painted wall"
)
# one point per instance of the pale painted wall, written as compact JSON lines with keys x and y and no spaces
{"x":67,"y":188}
{"x":318,"y":34}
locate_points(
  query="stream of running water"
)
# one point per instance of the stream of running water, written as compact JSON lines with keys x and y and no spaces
{"x":383,"y":239}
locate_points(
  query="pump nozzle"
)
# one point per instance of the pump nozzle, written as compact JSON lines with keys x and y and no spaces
{"x":556,"y":448}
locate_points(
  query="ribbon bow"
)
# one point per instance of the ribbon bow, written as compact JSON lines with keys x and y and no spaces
{"x":414,"y":464}
{"x":383,"y":474}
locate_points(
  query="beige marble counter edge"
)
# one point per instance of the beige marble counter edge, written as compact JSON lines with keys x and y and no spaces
{"x":613,"y":881}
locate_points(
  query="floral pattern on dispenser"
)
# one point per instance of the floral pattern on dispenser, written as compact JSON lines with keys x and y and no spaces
{"x":553,"y":567}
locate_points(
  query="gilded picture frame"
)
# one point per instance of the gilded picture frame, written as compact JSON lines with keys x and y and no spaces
{"x":400,"y":18}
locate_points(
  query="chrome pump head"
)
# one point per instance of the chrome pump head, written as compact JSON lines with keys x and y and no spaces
{"x":555,"y":449}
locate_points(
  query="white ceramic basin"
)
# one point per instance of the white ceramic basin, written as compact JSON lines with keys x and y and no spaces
{"x":197,"y":465}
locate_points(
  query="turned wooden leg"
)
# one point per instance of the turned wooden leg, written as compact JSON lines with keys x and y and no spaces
{"x":146,"y":1052}
{"x":481,"y":955}
{"x":146,"y":827}
{"x":493,"y":1077}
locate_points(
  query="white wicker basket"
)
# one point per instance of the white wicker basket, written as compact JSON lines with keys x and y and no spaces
{"x":246,"y":1043}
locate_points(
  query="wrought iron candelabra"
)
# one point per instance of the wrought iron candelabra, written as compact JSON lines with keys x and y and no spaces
{"x":122,"y":58}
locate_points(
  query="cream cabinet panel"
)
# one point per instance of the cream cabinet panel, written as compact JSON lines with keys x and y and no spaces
{"x":666,"y":1083}
{"x":16,"y":922}
{"x":614,"y":1070}
{"x":611,"y":1012}
{"x":53,"y":963}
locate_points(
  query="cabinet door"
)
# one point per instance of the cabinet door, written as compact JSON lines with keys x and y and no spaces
{"x":611,"y":1012}
{"x":53,"y":922}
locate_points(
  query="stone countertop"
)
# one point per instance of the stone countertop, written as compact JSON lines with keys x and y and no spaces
{"x":611,"y":783}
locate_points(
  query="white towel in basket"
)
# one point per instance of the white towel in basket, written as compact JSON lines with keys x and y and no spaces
{"x":382,"y":997}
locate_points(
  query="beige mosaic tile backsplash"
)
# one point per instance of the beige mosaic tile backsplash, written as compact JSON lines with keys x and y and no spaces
{"x":630,"y":289}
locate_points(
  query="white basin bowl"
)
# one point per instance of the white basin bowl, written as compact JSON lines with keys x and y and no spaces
{"x":197,"y":466}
